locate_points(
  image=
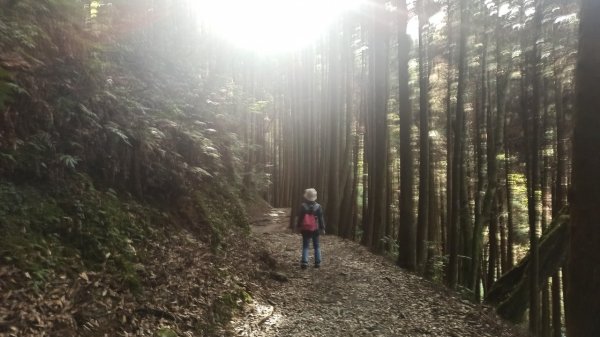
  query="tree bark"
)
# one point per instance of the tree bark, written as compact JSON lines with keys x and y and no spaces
{"x":583,"y":286}
{"x":423,"y":211}
{"x":458,"y":171}
{"x":407,"y":232}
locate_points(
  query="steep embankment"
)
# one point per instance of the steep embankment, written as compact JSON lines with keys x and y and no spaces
{"x":120,"y":198}
{"x":354,"y":293}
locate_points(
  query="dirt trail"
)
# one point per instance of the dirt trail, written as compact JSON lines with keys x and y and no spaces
{"x":354,"y":293}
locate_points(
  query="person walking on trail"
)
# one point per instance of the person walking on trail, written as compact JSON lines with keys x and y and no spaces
{"x":310,"y":223}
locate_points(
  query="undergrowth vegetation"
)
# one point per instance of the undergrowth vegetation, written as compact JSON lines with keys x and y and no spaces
{"x":78,"y":228}
{"x":104,"y":143}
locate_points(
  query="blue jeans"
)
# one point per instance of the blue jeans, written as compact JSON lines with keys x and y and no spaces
{"x":306,"y":237}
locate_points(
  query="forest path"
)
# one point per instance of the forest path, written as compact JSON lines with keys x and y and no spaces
{"x":354,"y":293}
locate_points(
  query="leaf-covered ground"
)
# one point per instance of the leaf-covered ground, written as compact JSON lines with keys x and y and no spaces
{"x":354,"y":293}
{"x":183,"y":288}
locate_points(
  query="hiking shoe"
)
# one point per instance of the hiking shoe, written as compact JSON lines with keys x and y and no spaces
{"x":317,"y":265}
{"x":304,"y":265}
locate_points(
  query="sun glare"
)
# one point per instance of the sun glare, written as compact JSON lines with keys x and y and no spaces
{"x":271,"y":26}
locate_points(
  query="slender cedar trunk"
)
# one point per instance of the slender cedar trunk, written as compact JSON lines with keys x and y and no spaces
{"x":583,"y":286}
{"x":447,"y":216}
{"x":334,"y":134}
{"x":370,"y":138}
{"x":458,"y":165}
{"x":295,"y":171}
{"x":305,"y":152}
{"x":482,"y":277}
{"x":476,"y":247}
{"x":284,"y":150}
{"x":380,"y":79}
{"x":289,"y":150}
{"x":559,"y":194}
{"x":303,"y":157}
{"x":365,"y":150}
{"x":280,"y":164}
{"x":480,"y":288}
{"x":348,"y":205}
{"x":407,"y":232}
{"x":368,"y":186}
{"x":365,"y":195}
{"x":556,"y":306}
{"x":313,"y":110}
{"x":325,"y":124}
{"x":493,"y":247}
{"x":443,"y":220}
{"x":423,"y":211}
{"x":532,"y":178}
{"x":482,"y":135}
{"x":434,"y":222}
{"x":502,"y":231}
{"x":275,"y":161}
{"x":348,"y":211}
{"x":355,"y":181}
{"x":546,"y":204}
{"x":503,"y":87}
{"x":532,"y":154}
{"x":466,"y":223}
{"x":297,"y":147}
{"x":389,"y":218}
{"x":510,"y":234}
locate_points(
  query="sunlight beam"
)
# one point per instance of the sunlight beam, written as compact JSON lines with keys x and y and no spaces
{"x":271,"y":26}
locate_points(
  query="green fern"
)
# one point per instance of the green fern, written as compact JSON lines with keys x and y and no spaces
{"x":69,"y":161}
{"x":113,"y":128}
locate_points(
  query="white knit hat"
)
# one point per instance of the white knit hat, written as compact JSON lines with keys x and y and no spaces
{"x":310,"y":194}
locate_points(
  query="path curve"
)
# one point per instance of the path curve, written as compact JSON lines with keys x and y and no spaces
{"x":354,"y":293}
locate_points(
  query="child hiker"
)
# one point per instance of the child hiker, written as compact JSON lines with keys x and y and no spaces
{"x":310,"y":223}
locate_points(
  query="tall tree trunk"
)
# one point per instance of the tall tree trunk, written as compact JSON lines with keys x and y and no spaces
{"x":446,"y":227}
{"x":348,"y":212}
{"x":423,"y":211}
{"x":380,"y":78}
{"x":510,"y":234}
{"x":334,"y":188}
{"x":532,"y":154}
{"x":482,"y":135}
{"x":458,"y":171}
{"x":433,"y":233}
{"x":559,"y":194}
{"x":583,"y":286}
{"x":546,"y":203}
{"x":407,"y":232}
{"x":493,"y":239}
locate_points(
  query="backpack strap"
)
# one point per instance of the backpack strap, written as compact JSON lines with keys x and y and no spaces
{"x":309,"y":208}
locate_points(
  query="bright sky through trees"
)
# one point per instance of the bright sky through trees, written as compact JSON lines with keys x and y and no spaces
{"x":272,"y":26}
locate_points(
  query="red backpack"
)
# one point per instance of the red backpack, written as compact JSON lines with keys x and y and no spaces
{"x":309,"y":220}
